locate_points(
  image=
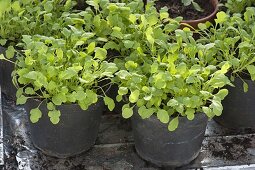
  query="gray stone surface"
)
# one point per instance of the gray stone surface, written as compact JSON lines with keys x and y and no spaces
{"x":224,"y":149}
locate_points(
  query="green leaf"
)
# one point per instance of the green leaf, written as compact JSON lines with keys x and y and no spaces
{"x":180,"y":108}
{"x":54,"y":120}
{"x":80,"y":95}
{"x":190,"y":113}
{"x":54,"y":116}
{"x":19,"y":92}
{"x":16,"y":6}
{"x":225,"y":67}
{"x":163,"y":14}
{"x":21,"y":99}
{"x":122,"y":91}
{"x":197,"y":7}
{"x":145,"y":113}
{"x":66,"y":32}
{"x":60,"y":54}
{"x":51,"y":106}
{"x":147,"y":97}
{"x":173,"y":124}
{"x":128,"y":44}
{"x":172,"y":102}
{"x":101,"y":53}
{"x":160,"y":83}
{"x":202,"y":26}
{"x":59,"y":98}
{"x":134,"y":96}
{"x":131,"y":65}
{"x":216,"y":107}
{"x":3,"y":42}
{"x":54,"y":113}
{"x":222,"y":93}
{"x":35,"y":115}
{"x":93,"y":3}
{"x":68,"y":74}
{"x":154,"y":67}
{"x":221,"y":17}
{"x":112,"y":7}
{"x":10,"y":52}
{"x":132,"y":18}
{"x":219,"y":80}
{"x":186,"y":2}
{"x":152,"y":19}
{"x":117,"y":33}
{"x":109,"y":102}
{"x":208,"y":111}
{"x":140,"y":103}
{"x":48,"y":6}
{"x":118,"y":98}
{"x":160,"y":80}
{"x":127,"y":112}
{"x":84,"y":104}
{"x":91,"y":47}
{"x":251,"y":70}
{"x":149,"y":36}
{"x":29,"y":91}
{"x":2,"y":57}
{"x":111,"y":45}
{"x":79,"y":43}
{"x":163,"y":116}
{"x":78,"y":21}
{"x":91,"y":96}
{"x":245,"y":87}
{"x":68,"y":5}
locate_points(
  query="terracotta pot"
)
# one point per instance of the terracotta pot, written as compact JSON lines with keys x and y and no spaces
{"x":210,"y":18}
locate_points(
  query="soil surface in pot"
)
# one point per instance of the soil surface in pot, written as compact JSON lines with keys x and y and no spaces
{"x":176,"y":8}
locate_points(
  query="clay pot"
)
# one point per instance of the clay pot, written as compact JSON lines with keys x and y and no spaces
{"x":210,"y":18}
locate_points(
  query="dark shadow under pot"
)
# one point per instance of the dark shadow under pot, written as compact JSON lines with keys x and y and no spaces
{"x":75,"y":133}
{"x":154,"y":143}
{"x":239,"y":107}
{"x":6,"y":69}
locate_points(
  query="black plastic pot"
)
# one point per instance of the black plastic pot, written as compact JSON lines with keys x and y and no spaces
{"x":75,"y":133}
{"x":154,"y":143}
{"x":239,"y":107}
{"x":6,"y":69}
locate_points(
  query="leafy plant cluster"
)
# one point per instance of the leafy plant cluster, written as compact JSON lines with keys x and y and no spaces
{"x":166,"y":76}
{"x":239,"y":6}
{"x":62,"y":72}
{"x":30,"y":17}
{"x":76,"y":55}
{"x":232,"y":40}
{"x":71,"y":67}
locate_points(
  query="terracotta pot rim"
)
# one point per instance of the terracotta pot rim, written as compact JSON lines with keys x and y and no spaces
{"x":216,"y":8}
